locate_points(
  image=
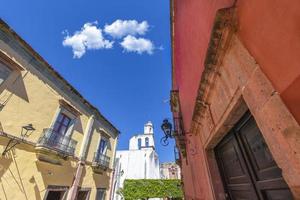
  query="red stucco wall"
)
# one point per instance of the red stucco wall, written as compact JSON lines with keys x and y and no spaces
{"x":193,"y":23}
{"x":269,"y":29}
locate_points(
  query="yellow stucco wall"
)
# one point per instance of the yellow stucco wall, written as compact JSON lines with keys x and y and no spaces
{"x":34,"y":102}
{"x":23,"y":176}
{"x":91,"y":179}
{"x":97,"y":133}
{"x":33,"y":99}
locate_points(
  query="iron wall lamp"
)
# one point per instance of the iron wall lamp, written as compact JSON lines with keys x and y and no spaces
{"x":167,"y":129}
{"x":27,"y":130}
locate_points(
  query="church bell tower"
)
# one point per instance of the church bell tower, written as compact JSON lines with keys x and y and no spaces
{"x":148,"y":128}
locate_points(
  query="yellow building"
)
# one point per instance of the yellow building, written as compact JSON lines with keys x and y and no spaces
{"x":53,"y":143}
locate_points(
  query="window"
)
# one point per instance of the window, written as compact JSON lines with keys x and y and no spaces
{"x":5,"y":71}
{"x":139,"y":143}
{"x":102,"y":146}
{"x":62,"y":124}
{"x":147,"y":142}
{"x":56,"y":193}
{"x":100,"y":194}
{"x":83,"y":194}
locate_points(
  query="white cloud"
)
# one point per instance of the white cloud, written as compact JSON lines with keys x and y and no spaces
{"x":121,"y":28}
{"x":89,"y":37}
{"x":138,"y":45}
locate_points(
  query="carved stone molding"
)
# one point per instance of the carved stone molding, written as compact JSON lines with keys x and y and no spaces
{"x":225,"y":26}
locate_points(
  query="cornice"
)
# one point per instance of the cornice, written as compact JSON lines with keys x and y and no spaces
{"x":224,"y":27}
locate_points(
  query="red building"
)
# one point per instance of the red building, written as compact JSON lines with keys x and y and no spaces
{"x":236,"y":97}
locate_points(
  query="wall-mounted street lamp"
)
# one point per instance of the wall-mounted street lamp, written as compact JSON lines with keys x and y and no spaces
{"x":26,"y":131}
{"x":167,"y":129}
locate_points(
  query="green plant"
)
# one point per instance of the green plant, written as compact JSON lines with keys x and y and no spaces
{"x":151,"y":188}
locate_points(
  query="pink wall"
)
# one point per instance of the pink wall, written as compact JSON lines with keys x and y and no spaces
{"x":269,"y":29}
{"x":193,"y":23}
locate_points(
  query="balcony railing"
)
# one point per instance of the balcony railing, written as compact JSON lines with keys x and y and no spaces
{"x":177,"y":156}
{"x":101,"y":160}
{"x":57,"y":142}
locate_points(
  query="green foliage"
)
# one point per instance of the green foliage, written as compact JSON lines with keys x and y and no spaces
{"x":151,"y":188}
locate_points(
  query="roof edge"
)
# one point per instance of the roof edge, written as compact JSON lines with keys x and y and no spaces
{"x":73,"y":90}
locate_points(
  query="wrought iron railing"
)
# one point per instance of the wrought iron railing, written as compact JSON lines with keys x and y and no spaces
{"x":55,"y":141}
{"x":101,"y":160}
{"x":177,"y":155}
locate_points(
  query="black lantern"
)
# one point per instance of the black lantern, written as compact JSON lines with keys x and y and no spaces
{"x":166,"y":127}
{"x":27,"y":130}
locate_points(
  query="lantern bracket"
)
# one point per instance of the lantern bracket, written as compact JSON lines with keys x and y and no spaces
{"x":11,"y":144}
{"x":26,"y":131}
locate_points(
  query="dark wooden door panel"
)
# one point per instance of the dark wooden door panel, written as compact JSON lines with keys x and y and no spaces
{"x":247,"y":165}
{"x":232,"y":163}
{"x":267,"y":175}
{"x":234,"y":169}
{"x":283,"y":194}
{"x":258,"y":152}
{"x":243,"y":195}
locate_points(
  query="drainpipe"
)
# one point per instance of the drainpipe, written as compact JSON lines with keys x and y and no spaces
{"x":82,"y":156}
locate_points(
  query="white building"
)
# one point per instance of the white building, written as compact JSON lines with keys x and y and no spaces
{"x":139,"y":162}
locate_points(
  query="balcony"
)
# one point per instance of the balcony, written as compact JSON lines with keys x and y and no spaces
{"x":51,"y":146}
{"x":100,"y":162}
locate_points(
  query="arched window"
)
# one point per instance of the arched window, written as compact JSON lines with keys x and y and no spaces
{"x":139,"y":143}
{"x":147,"y":142}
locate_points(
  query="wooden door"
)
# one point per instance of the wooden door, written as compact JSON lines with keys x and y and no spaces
{"x":247,"y":166}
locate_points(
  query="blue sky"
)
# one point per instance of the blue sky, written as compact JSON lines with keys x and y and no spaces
{"x":128,"y":87}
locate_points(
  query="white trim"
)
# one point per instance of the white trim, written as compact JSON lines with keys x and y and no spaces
{"x":57,"y":112}
{"x":86,"y":138}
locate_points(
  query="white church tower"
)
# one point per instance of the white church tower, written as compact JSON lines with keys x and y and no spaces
{"x":139,"y":162}
{"x":143,"y":141}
